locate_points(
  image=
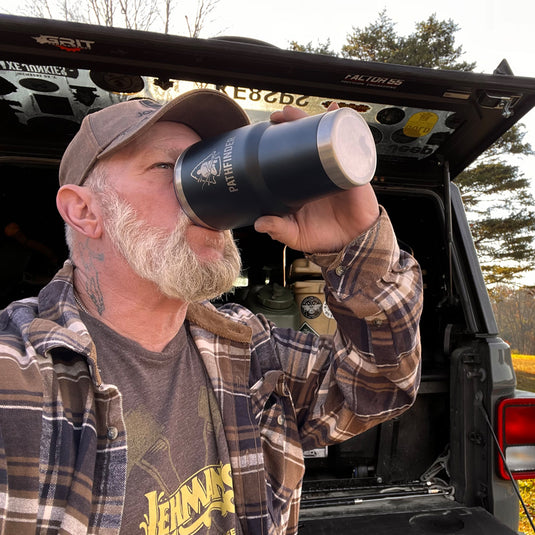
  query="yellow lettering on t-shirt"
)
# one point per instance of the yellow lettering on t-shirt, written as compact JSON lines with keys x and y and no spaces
{"x":190,"y":507}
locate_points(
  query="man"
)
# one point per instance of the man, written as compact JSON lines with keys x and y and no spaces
{"x":130,"y":404}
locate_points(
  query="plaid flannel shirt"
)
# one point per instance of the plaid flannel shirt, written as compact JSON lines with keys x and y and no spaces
{"x":63,"y":448}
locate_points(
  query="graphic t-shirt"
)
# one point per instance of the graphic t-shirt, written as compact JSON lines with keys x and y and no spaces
{"x":179,"y":479}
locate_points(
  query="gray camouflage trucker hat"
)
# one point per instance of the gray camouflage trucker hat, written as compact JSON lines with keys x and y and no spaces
{"x":106,"y":131}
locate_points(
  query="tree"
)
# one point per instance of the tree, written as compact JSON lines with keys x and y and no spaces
{"x":431,"y":45}
{"x":376,"y":42}
{"x":204,"y":8}
{"x":497,"y":199}
{"x":133,"y":14}
{"x":496,"y":195}
{"x":515,"y":314}
{"x":320,"y":48}
{"x":157,"y":15}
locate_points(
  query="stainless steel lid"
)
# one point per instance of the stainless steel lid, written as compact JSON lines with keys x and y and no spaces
{"x":346,"y":148}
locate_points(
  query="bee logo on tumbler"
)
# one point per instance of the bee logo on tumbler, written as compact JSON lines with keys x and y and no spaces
{"x":208,"y":169}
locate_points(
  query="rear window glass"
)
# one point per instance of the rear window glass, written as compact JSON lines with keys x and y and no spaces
{"x":37,"y":97}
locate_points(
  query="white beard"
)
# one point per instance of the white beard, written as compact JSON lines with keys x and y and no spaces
{"x":166,"y":259}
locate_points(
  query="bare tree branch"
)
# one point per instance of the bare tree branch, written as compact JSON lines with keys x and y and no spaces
{"x":132,"y":14}
{"x":204,"y":8}
{"x":40,"y":8}
{"x":168,"y":8}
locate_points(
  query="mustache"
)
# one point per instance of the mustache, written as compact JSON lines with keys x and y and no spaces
{"x":166,"y":258}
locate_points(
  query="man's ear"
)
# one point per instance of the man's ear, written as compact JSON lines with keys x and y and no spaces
{"x":78,"y":208}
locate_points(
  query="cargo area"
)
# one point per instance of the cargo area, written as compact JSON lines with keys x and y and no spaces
{"x":402,"y":450}
{"x":399,"y":451}
{"x":403,"y":464}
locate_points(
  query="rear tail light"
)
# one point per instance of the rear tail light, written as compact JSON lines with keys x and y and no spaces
{"x":516,"y":436}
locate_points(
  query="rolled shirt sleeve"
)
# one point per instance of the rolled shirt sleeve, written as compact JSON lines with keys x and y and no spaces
{"x":374,"y":290}
{"x":376,"y":282}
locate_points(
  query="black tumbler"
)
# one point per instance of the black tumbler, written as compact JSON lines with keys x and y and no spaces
{"x":228,"y":181}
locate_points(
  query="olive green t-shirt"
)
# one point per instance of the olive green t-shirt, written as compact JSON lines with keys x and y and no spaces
{"x":179,"y":479}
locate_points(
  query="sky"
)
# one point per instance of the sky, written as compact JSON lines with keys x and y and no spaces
{"x":490,"y":30}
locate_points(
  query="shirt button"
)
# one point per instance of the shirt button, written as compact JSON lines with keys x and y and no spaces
{"x":340,"y":270}
{"x":112,"y":433}
{"x":280,"y":419}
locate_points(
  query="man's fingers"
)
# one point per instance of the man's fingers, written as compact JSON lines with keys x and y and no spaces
{"x":267,"y":224}
{"x":333,"y":106}
{"x":278,"y":228}
{"x":288,"y":113}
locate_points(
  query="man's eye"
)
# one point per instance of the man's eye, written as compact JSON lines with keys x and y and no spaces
{"x":165,"y":165}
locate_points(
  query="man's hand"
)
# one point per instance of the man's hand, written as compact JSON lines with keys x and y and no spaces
{"x":325,"y":225}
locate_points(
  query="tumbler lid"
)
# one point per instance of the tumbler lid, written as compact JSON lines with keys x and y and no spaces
{"x":346,"y":148}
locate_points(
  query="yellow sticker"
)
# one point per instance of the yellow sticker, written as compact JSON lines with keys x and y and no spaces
{"x":420,"y":124}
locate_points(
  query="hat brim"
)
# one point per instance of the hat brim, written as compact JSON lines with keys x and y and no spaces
{"x":206,"y":111}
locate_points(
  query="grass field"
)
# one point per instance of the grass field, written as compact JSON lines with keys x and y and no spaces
{"x":525,"y":375}
{"x":525,"y":371}
{"x":527,"y":490}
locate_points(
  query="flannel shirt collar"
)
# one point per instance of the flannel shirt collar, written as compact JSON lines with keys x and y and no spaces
{"x":56,"y":322}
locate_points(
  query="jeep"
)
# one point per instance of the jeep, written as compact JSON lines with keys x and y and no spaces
{"x":449,"y":463}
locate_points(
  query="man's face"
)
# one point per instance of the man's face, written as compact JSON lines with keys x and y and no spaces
{"x":148,"y":228}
